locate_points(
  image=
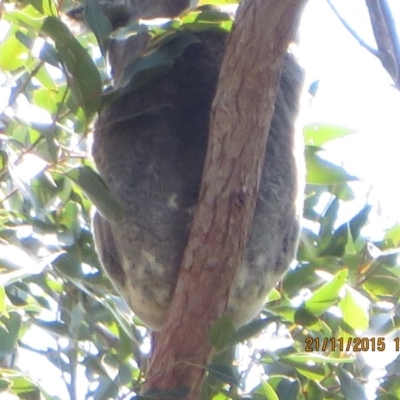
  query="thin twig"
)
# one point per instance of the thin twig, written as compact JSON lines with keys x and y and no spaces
{"x":353,"y":32}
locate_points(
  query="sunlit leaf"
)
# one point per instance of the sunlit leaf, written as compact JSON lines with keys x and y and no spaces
{"x":13,"y":54}
{"x":268,"y":392}
{"x":307,"y":358}
{"x":44,"y":6}
{"x":3,"y":305}
{"x":318,"y":134}
{"x":45,"y":78}
{"x":354,"y":314}
{"x":382,"y":283}
{"x":313,"y":391}
{"x":393,"y":234}
{"x":28,"y":17}
{"x":323,"y":172}
{"x":327,"y":295}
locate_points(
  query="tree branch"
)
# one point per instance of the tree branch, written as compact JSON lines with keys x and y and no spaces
{"x":386,"y":37}
{"x":385,"y":34}
{"x":353,"y":33}
{"x":240,"y":120}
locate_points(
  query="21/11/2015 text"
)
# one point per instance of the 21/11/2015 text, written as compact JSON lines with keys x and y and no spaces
{"x":350,"y":344}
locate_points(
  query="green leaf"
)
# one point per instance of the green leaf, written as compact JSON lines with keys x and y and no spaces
{"x":220,"y":370}
{"x":98,"y":23}
{"x":318,"y":134}
{"x":351,"y":388}
{"x":160,"y":59}
{"x":49,"y":99}
{"x":314,"y":372}
{"x":323,"y":172}
{"x":224,"y":373}
{"x":268,"y":392}
{"x":382,"y":283}
{"x":340,"y":239}
{"x":286,"y":388}
{"x":49,"y":55}
{"x":4,"y":384}
{"x":26,"y":40}
{"x":70,"y":264}
{"x":312,"y":391}
{"x":20,"y":264}
{"x":382,"y":324}
{"x":54,"y":327}
{"x":25,"y":388}
{"x":77,"y":319}
{"x":82,"y":74}
{"x":304,"y":317}
{"x":12,"y":53}
{"x":3,"y":305}
{"x":221,"y":333}
{"x":213,"y":16}
{"x":44,"y":6}
{"x":253,"y":328}
{"x":354,"y":314}
{"x":302,"y":276}
{"x":24,"y":18}
{"x":97,"y":191}
{"x":45,"y":78}
{"x":390,"y":388}
{"x":393,"y":234}
{"x":306,"y":358}
{"x":327,"y":295}
{"x":272,"y":296}
{"x":9,"y":334}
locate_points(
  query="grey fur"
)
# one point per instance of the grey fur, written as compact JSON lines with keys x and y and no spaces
{"x":150,"y":145}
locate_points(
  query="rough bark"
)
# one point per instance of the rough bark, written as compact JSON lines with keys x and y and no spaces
{"x":240,"y":120}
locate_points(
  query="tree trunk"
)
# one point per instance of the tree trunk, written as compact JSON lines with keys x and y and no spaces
{"x":241,"y":115}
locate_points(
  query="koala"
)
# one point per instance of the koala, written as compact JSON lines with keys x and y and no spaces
{"x":150,"y":147}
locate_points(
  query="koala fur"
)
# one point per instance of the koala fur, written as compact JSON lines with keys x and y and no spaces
{"x":150,"y":147}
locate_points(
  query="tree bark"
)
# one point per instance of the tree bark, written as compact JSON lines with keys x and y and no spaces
{"x":241,"y":115}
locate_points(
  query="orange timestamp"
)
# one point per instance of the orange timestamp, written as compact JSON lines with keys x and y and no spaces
{"x":349,"y":344}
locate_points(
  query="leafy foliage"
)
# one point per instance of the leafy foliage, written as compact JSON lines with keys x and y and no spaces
{"x":55,"y":301}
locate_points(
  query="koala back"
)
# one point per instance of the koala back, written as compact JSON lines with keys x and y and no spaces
{"x":150,"y":147}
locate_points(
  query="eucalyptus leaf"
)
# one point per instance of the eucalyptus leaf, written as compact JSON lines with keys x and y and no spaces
{"x":95,"y":188}
{"x":82,"y":74}
{"x":318,"y":134}
{"x":323,"y":172}
{"x":352,"y":388}
{"x":327,"y":295}
{"x":98,"y":23}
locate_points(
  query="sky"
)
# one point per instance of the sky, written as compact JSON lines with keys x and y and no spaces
{"x":354,"y":91}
